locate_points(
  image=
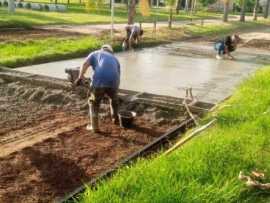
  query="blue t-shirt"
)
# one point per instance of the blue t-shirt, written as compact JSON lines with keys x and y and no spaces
{"x":106,"y":69}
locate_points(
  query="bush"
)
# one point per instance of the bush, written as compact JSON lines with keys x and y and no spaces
{"x":28,"y":5}
{"x":5,"y":3}
{"x":46,"y":8}
{"x":207,"y":2}
{"x":0,"y":3}
{"x":20,"y":5}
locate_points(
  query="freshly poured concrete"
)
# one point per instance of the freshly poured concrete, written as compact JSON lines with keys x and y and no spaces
{"x":164,"y":71}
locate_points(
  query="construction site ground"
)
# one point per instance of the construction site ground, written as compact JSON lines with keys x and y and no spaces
{"x":46,"y":151}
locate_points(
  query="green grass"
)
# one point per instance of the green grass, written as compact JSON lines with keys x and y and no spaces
{"x":30,"y":52}
{"x":206,"y":169}
{"x":77,"y":14}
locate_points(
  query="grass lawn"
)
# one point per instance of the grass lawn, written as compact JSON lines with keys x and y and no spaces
{"x":38,"y":51}
{"x":205,"y":169}
{"x":77,"y":14}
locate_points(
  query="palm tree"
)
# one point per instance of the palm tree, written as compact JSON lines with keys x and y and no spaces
{"x":255,"y":11}
{"x":266,"y":12}
{"x":243,"y":11}
{"x":226,"y":10}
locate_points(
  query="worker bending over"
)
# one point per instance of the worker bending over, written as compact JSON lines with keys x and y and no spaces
{"x":133,"y":36}
{"x":105,"y":82}
{"x":226,"y":46}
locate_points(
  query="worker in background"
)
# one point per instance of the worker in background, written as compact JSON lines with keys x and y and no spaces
{"x":133,"y":36}
{"x":226,"y":46}
{"x":105,"y":82}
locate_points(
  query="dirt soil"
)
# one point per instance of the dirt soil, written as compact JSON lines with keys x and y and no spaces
{"x":46,"y":151}
{"x":33,"y":34}
{"x":259,"y":44}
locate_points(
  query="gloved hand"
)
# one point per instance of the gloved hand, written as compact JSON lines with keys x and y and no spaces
{"x":78,"y":82}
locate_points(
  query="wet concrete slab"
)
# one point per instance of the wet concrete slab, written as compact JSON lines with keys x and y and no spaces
{"x":166,"y":71}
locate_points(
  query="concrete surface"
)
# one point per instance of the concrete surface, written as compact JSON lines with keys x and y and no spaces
{"x":164,"y":71}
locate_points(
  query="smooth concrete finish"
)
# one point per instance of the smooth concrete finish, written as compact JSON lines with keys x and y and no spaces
{"x":164,"y":71}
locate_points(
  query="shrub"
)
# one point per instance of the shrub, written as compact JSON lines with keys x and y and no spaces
{"x":5,"y":3}
{"x":46,"y":8}
{"x":28,"y":5}
{"x":20,"y":5}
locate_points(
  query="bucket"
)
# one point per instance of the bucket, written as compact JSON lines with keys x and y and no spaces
{"x":126,"y":118}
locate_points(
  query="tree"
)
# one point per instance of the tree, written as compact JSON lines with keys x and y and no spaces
{"x":131,"y":11}
{"x":243,"y":11}
{"x":207,"y":2}
{"x":255,"y":11}
{"x":266,"y":12}
{"x":170,"y":4}
{"x":226,"y":10}
{"x":178,"y":6}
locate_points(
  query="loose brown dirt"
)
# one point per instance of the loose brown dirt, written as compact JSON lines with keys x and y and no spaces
{"x":33,"y":34}
{"x":46,"y":151}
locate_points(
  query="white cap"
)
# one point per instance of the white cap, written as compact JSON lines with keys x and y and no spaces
{"x":107,"y":47}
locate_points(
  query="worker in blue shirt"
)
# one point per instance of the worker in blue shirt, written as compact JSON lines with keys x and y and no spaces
{"x":105,"y":82}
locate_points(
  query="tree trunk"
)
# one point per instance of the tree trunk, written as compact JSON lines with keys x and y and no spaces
{"x":186,"y":5}
{"x":178,"y":6}
{"x":194,"y":6}
{"x":131,"y":11}
{"x":11,"y":6}
{"x":226,"y":10}
{"x":243,"y":11}
{"x":170,"y":17}
{"x":266,"y":12}
{"x":255,"y":11}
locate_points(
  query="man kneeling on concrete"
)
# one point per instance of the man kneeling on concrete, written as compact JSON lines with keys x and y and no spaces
{"x":105,"y":82}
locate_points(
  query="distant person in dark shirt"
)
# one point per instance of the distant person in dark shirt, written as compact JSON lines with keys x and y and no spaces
{"x":226,"y":46}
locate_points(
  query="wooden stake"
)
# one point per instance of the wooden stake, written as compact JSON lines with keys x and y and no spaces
{"x":192,"y":134}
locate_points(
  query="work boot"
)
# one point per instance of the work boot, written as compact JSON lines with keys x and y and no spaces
{"x":219,"y":57}
{"x":115,"y":121}
{"x":94,"y":125}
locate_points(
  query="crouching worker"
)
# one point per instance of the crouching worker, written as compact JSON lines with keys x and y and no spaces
{"x":105,"y":82}
{"x":133,"y":36}
{"x":226,"y":46}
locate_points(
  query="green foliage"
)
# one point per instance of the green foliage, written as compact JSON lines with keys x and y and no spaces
{"x":170,"y":3}
{"x":249,"y":5}
{"x":207,"y":2}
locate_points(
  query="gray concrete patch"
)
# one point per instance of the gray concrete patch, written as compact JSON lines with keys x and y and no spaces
{"x":165,"y":71}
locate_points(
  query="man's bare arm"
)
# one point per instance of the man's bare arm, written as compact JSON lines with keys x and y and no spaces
{"x":83,"y":69}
